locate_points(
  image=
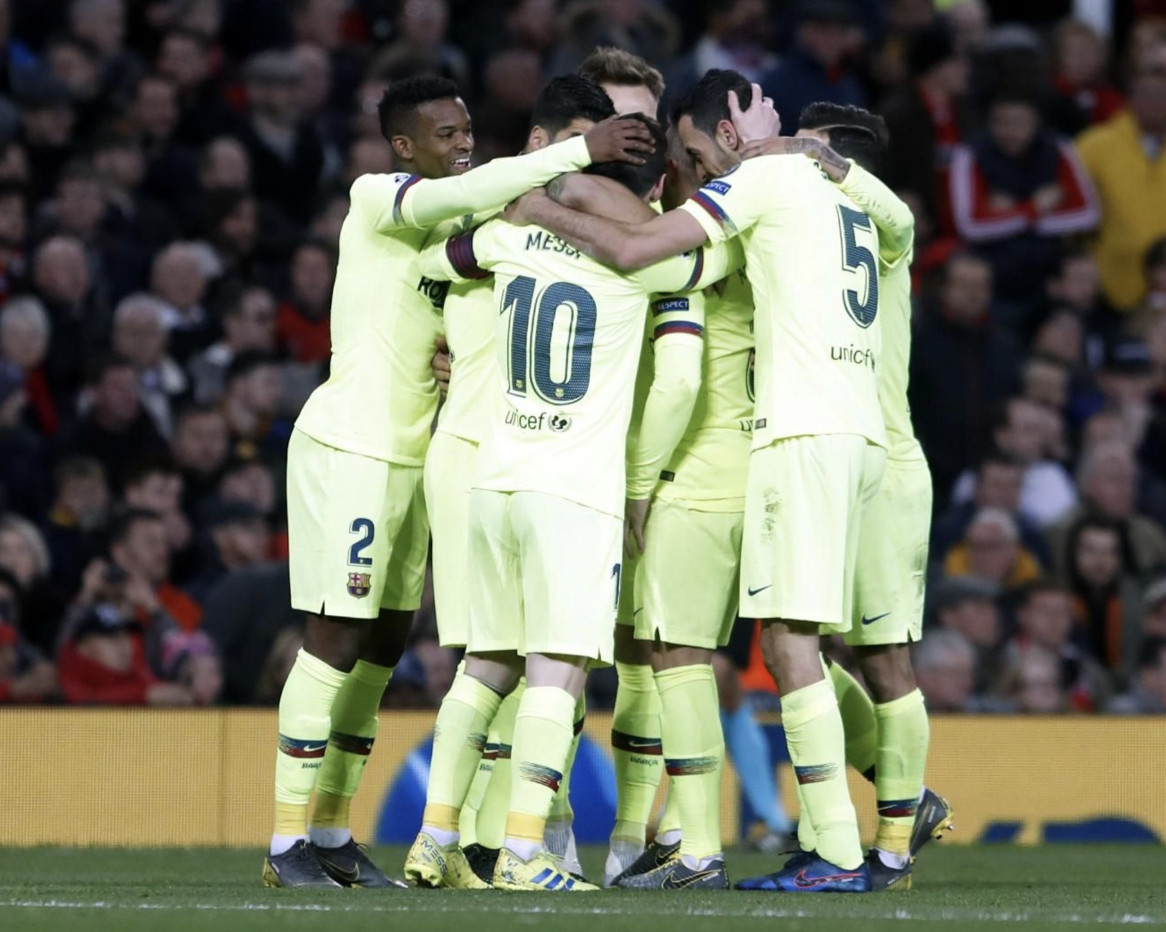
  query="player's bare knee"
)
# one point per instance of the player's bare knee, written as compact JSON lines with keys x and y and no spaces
{"x":557,"y":670}
{"x":385,"y":639}
{"x":672,"y":656}
{"x":500,"y":670}
{"x":336,"y":641}
{"x":630,"y":650}
{"x":728,"y":683}
{"x":887,"y":671}
{"x":790,"y":651}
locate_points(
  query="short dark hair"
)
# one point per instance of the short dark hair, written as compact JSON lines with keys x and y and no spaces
{"x":196,"y":409}
{"x":639,"y":179}
{"x":147,"y":466}
{"x":707,"y":102}
{"x":77,"y":467}
{"x":123,"y":524}
{"x":997,"y":457}
{"x":609,"y":65}
{"x":405,"y":96}
{"x":1042,"y":585}
{"x":97,"y":370}
{"x":247,"y":362}
{"x":570,"y":97}
{"x":855,"y":133}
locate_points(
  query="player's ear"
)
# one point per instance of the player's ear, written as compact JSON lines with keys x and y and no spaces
{"x":727,"y":135}
{"x":537,"y":139}
{"x":402,"y":147}
{"x":657,"y":189}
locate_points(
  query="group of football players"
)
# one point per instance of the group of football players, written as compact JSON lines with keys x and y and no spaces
{"x":677,"y":395}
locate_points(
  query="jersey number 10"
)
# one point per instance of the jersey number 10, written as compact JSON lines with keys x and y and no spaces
{"x":530,"y":361}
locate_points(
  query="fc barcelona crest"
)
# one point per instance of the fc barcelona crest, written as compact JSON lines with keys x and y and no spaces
{"x":359,"y":584}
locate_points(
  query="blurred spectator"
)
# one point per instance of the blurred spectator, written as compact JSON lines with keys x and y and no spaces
{"x":185,"y":57}
{"x":116,"y":428}
{"x":1023,"y":432}
{"x":179,"y":279}
{"x":1107,"y":479}
{"x":967,"y":605}
{"x":736,"y":37}
{"x":991,"y":551}
{"x":25,"y":675}
{"x":820,"y":65}
{"x":1076,"y":284}
{"x":421,"y":47}
{"x":287,"y":157}
{"x":76,"y":519}
{"x":139,"y":337}
{"x":1155,"y":302}
{"x":639,"y":26}
{"x":1044,"y":380}
{"x":252,"y":402}
{"x":25,"y":555}
{"x":237,"y":537}
{"x":1015,"y":190}
{"x":1033,"y":682}
{"x":171,"y":168}
{"x":131,"y":215}
{"x":46,"y":114}
{"x":200,"y":446}
{"x":13,"y":231}
{"x":1045,"y":620}
{"x":76,"y":63}
{"x":102,"y":23}
{"x":997,"y":485}
{"x":155,"y":485}
{"x":302,"y":325}
{"x":945,"y":670}
{"x":926,"y":119}
{"x":249,"y":323}
{"x":25,"y":333}
{"x":512,"y":79}
{"x":138,"y":546}
{"x":1126,"y":156}
{"x":22,"y":451}
{"x":276,"y":666}
{"x":1084,"y":94}
{"x":1106,"y":598}
{"x":962,"y":368}
{"x":224,"y":163}
{"x":1147,"y":696}
{"x":60,"y":275}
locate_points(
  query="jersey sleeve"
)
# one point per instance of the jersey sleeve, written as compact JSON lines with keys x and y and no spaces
{"x":692,"y":271}
{"x":728,"y":206}
{"x":678,"y":330}
{"x":398,"y":200}
{"x":460,"y":258}
{"x":889,"y":212}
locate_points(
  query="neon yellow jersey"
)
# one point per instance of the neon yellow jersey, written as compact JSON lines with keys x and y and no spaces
{"x":712,"y":458}
{"x":811,"y":257}
{"x":469,"y":333}
{"x":380,"y":396}
{"x":568,"y":333}
{"x":896,"y":227}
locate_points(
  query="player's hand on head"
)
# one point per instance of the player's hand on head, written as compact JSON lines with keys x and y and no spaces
{"x":758,"y":121}
{"x":524,"y":211}
{"x":441,"y":367}
{"x":619,"y":139}
{"x":635,"y":520}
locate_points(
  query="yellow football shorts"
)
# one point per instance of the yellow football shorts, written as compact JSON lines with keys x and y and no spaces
{"x":803,"y":511}
{"x":358,"y":535}
{"x":687,"y":581}
{"x":890,"y":577}
{"x":544,"y":575}
{"x":449,"y":473}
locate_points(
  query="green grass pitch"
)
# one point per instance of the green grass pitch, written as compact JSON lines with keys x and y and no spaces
{"x":956,"y":888}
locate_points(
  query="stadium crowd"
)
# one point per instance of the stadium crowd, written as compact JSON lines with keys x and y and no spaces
{"x":173,"y":175}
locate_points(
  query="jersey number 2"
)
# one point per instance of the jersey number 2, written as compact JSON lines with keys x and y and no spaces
{"x":367,"y":531}
{"x":856,"y":256}
{"x":532,"y":362}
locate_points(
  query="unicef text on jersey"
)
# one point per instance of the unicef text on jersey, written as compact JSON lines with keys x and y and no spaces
{"x":555,"y":423}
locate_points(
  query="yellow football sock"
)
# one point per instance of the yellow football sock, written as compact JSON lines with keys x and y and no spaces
{"x":904,"y":736}
{"x":494,"y":804}
{"x":668,"y":831}
{"x":807,"y":839}
{"x":694,"y":753}
{"x":354,"y":729}
{"x":459,"y":737}
{"x":305,"y":717}
{"x":858,"y":720}
{"x":561,"y":810}
{"x":543,"y":732}
{"x":635,"y":746}
{"x":817,"y":749}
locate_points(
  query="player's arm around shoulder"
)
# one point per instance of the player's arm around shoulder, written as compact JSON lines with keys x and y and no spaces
{"x":890,"y":213}
{"x":463,"y":257}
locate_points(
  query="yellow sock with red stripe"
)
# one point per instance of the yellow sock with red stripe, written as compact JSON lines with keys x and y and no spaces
{"x":305,"y":719}
{"x":904,"y":736}
{"x":636,"y":750}
{"x":543,"y":732}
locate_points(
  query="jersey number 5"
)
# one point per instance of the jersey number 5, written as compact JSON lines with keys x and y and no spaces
{"x":856,"y":257}
{"x":561,"y":377}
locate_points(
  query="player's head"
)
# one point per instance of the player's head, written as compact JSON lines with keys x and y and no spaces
{"x":633,"y":85}
{"x":428,"y":126}
{"x":702,"y":120}
{"x":645,"y":181}
{"x":568,"y":106}
{"x":852,"y":132}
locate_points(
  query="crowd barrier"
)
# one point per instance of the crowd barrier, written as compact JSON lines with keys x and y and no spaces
{"x":146,"y":778}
